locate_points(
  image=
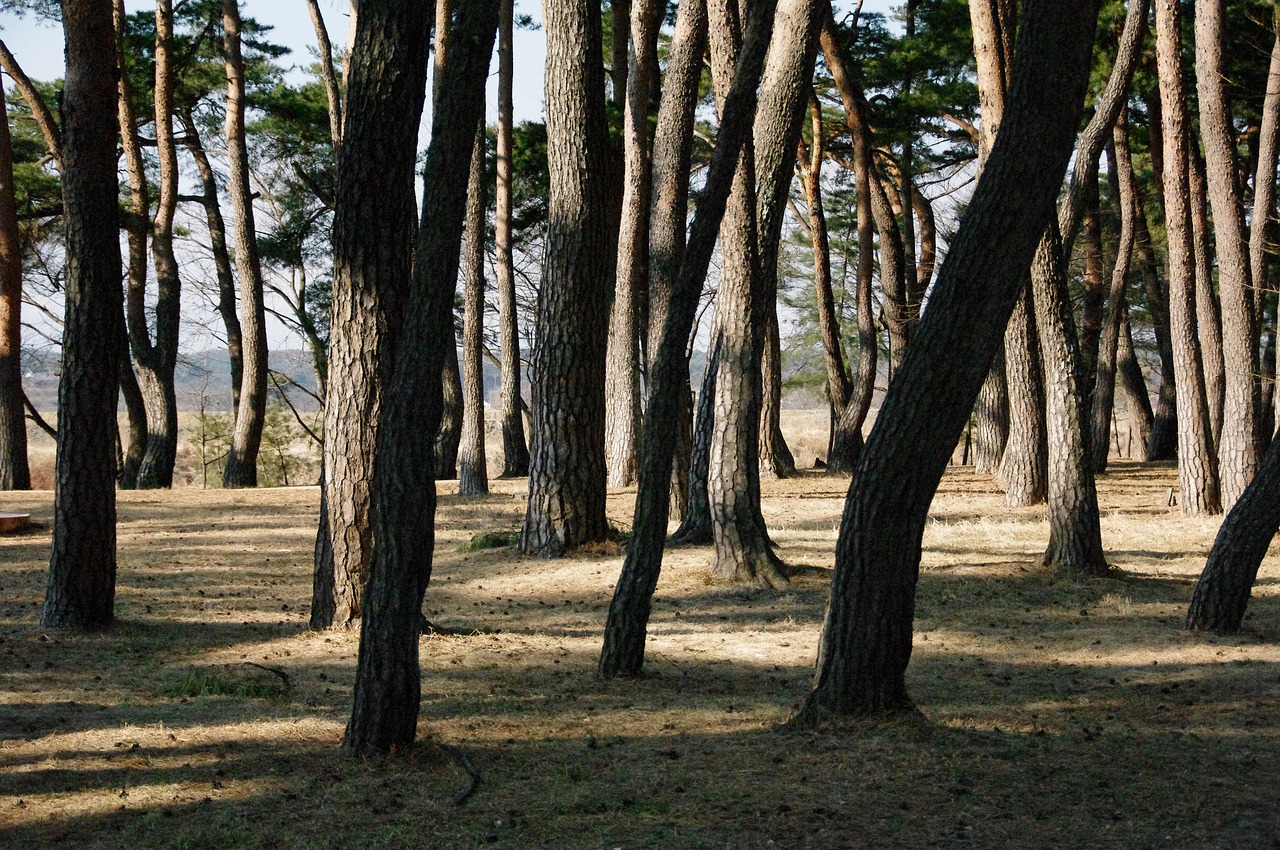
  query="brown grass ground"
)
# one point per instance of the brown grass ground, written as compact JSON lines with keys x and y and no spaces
{"x":1058,"y":714}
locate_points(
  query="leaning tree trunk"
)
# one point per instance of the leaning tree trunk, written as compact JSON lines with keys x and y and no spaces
{"x":374,"y":196}
{"x":384,"y":714}
{"x":157,"y":360}
{"x":473,"y":473}
{"x":15,"y":474}
{"x":866,"y":642}
{"x":246,"y":436}
{"x":1238,"y":448}
{"x":622,"y":366}
{"x":515,"y":451}
{"x":566,"y":464}
{"x":1197,"y":462}
{"x":82,"y":562}
{"x":624,"y":638}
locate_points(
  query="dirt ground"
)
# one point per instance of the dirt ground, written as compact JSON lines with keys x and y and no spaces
{"x":1056,"y":714}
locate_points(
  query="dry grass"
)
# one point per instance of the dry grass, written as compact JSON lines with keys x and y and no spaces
{"x":1058,"y":714}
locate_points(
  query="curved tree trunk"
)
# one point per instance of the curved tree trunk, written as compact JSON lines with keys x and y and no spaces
{"x":566,"y":464}
{"x":82,"y":562}
{"x":622,"y":370}
{"x":246,"y":437}
{"x":384,"y":714}
{"x":15,"y":474}
{"x":866,"y":642}
{"x":515,"y":451}
{"x":473,"y":473}
{"x":1197,"y":462}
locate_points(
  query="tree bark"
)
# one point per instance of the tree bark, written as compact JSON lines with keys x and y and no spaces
{"x":246,"y":437}
{"x":82,"y":564}
{"x":1238,"y":448}
{"x":375,"y":205}
{"x":624,"y":639}
{"x":1024,"y":466}
{"x":332,"y":91}
{"x":1137,"y":401}
{"x":776,"y":460}
{"x":1163,"y":441}
{"x":695,"y":524}
{"x":473,"y":472}
{"x":622,"y":368}
{"x":567,"y":464}
{"x":866,"y":641}
{"x":1197,"y":462}
{"x":449,"y":437}
{"x":515,"y":451}
{"x":1262,"y":223}
{"x":15,"y":474}
{"x":384,"y":714}
{"x":134,"y":439}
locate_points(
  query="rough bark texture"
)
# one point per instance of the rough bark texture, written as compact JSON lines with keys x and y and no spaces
{"x":449,"y":437}
{"x":1262,"y":224}
{"x":776,"y":460}
{"x":15,"y":474}
{"x":1197,"y":462}
{"x":1136,"y":399}
{"x":695,"y":523}
{"x":473,"y":472}
{"x":332,"y":90}
{"x":566,"y":463}
{"x":515,"y":451}
{"x":1208,"y":310}
{"x":1238,"y":449}
{"x":623,"y":651}
{"x":1162,"y":444}
{"x":246,"y":437}
{"x":156,"y":360}
{"x":82,"y":562}
{"x":40,"y":111}
{"x":1222,"y":594}
{"x":1105,"y":385}
{"x":866,"y":641}
{"x":1075,"y":536}
{"x":134,"y":437}
{"x":1024,"y":466}
{"x":375,"y":206}
{"x":386,"y":83}
{"x":622,"y":365}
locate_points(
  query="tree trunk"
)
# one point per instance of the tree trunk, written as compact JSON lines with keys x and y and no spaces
{"x":1208,"y":311}
{"x":1104,"y":387}
{"x":695,"y":524}
{"x":1238,"y":448}
{"x":1262,"y":224}
{"x":1222,"y":593}
{"x":1197,"y":462}
{"x":14,"y":471}
{"x":515,"y":451}
{"x":1137,"y":401}
{"x":622,"y":369}
{"x":866,"y":642}
{"x":134,"y":440}
{"x":566,"y":464}
{"x":82,"y":561}
{"x":776,"y":460}
{"x":332,"y":90}
{"x":1024,"y":466}
{"x":1093,"y":302}
{"x":624,"y":639}
{"x":1163,"y":441}
{"x":1075,"y":536}
{"x":473,"y":472}
{"x":156,"y":360}
{"x":246,"y":437}
{"x":375,"y":205}
{"x":449,"y":437}
{"x":384,"y":715}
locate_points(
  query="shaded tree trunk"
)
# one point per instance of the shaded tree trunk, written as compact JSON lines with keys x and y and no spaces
{"x":246,"y":437}
{"x":566,"y":458}
{"x":473,"y":472}
{"x":1208,"y":311}
{"x":1024,"y":466}
{"x":15,"y":474}
{"x":134,"y":439}
{"x":1197,"y":462}
{"x":449,"y":437}
{"x":776,"y":460}
{"x":82,"y":562}
{"x":1163,"y":441}
{"x":866,"y":641}
{"x":384,"y":715}
{"x":1137,"y":402}
{"x":695,"y":524}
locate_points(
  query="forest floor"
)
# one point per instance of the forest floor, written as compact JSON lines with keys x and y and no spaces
{"x":1055,"y":713}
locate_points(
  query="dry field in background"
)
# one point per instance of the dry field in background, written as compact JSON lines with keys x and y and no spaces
{"x":1056,"y":714}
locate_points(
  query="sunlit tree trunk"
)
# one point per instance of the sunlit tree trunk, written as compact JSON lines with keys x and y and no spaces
{"x":473,"y":473}
{"x":15,"y":474}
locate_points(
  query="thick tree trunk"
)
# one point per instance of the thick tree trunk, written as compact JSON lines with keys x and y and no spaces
{"x":1075,"y":536}
{"x":1104,"y":387}
{"x":515,"y":451}
{"x":384,"y":715}
{"x":82,"y":563}
{"x":622,"y":368}
{"x":1024,"y":466}
{"x":623,"y":651}
{"x":1197,"y":462}
{"x":1238,"y":448}
{"x":866,"y":641}
{"x":246,"y":437}
{"x":157,"y":360}
{"x":473,"y":472}
{"x":566,"y":464}
{"x":15,"y":474}
{"x":375,"y":206}
{"x":1222,"y":594}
